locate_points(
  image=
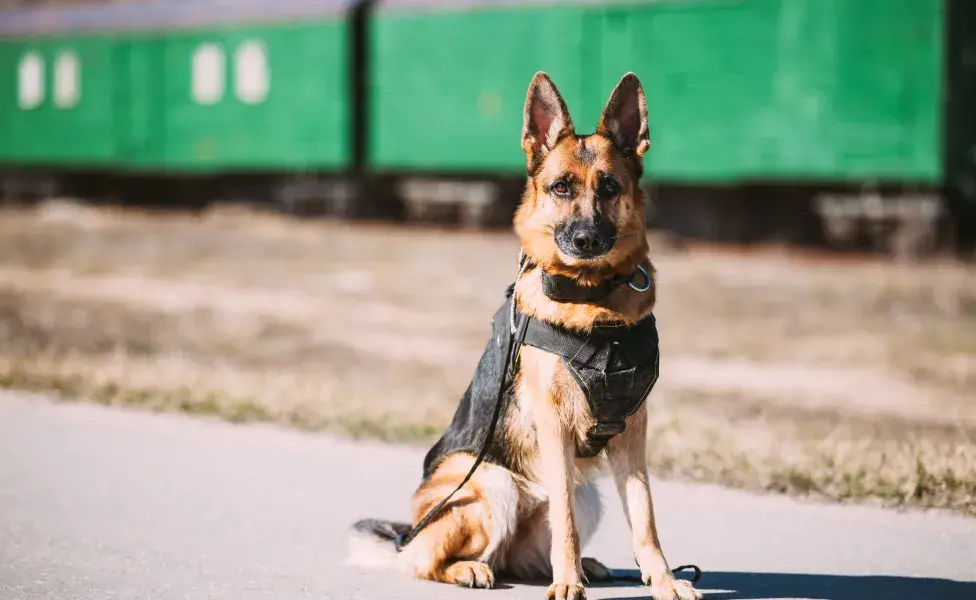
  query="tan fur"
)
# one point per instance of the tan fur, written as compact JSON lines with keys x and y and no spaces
{"x":539,"y":212}
{"x":556,"y":417}
{"x":531,"y":521}
{"x":459,"y":533}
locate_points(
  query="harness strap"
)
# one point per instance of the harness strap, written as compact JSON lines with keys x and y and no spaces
{"x":564,"y":342}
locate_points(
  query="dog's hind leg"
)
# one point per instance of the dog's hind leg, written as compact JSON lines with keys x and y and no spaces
{"x":459,"y":544}
{"x":528,"y":556}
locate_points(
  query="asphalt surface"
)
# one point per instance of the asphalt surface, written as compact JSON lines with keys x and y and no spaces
{"x":100,"y":503}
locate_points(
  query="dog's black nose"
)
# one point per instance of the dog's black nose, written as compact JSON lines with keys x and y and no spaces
{"x":586,"y":240}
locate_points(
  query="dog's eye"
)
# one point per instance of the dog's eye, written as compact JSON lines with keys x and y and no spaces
{"x":608,"y":188}
{"x":560,"y":188}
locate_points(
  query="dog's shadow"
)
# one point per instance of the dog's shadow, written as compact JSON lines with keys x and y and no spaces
{"x":759,"y":586}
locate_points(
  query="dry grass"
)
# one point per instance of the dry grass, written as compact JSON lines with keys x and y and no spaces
{"x":844,"y":379}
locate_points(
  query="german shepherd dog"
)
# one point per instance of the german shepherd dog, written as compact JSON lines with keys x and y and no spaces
{"x":530,"y":506}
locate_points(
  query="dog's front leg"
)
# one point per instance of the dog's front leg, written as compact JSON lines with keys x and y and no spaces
{"x":555,"y":460}
{"x":628,"y":461}
{"x":556,"y":452}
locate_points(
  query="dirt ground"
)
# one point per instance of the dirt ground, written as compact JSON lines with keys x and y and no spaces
{"x":839,"y":378}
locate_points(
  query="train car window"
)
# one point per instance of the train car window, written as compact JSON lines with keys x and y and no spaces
{"x":209,"y":72}
{"x":67,"y":80}
{"x":252,"y":79}
{"x":30,"y":81}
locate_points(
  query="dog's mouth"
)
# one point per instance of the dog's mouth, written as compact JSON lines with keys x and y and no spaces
{"x":585,"y":239}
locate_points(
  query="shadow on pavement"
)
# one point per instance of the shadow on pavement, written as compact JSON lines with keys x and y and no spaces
{"x":767,"y":586}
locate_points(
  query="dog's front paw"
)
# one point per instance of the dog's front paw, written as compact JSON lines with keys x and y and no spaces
{"x":565,"y":591}
{"x":669,"y":588}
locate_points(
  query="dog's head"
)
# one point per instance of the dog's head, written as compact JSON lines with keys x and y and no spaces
{"x":582,"y":210}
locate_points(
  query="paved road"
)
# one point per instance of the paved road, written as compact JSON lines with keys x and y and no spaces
{"x":103,"y":504}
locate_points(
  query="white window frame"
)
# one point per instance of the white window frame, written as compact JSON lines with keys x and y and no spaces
{"x":252,"y":74}
{"x":30,"y":80}
{"x":208,"y":74}
{"x":67,"y":80}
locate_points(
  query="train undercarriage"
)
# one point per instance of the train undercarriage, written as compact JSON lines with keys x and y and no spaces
{"x":892,"y":220}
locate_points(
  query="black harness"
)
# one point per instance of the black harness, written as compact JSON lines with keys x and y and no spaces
{"x":615,"y":365}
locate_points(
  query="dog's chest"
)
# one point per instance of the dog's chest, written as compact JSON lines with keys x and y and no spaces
{"x":546,"y":390}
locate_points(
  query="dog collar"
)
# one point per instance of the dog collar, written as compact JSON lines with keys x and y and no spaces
{"x":560,"y":288}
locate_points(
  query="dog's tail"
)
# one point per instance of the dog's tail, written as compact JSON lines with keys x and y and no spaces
{"x":372,"y":543}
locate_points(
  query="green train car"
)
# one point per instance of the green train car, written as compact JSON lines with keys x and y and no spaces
{"x":173,"y":100}
{"x":810,"y":121}
{"x":737,"y":90}
{"x":768,"y":117}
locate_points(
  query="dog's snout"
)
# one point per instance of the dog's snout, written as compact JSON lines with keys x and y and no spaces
{"x":586,"y":240}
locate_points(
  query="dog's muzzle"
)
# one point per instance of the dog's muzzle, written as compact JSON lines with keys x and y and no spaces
{"x":586,"y":238}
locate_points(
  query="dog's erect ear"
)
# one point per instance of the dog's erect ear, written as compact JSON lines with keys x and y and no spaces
{"x":624,"y":118}
{"x":545,"y":119}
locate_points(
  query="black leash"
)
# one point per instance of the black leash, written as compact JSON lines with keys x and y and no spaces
{"x":518,"y":334}
{"x":694,"y":577}
{"x":404,"y":539}
{"x":639,"y":578}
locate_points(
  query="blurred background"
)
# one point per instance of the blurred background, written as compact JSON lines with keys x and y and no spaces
{"x":299,"y":211}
